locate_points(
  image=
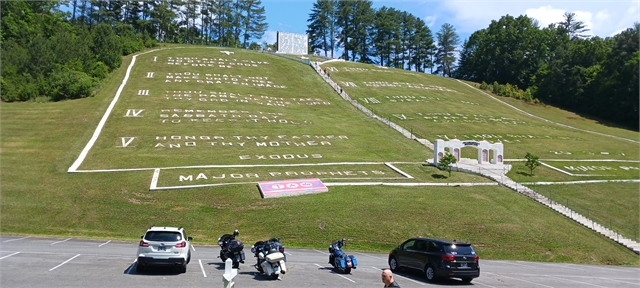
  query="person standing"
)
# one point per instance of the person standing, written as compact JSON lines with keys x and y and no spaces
{"x":387,"y":278}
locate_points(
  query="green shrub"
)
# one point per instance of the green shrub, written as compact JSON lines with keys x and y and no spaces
{"x":69,"y":84}
{"x":99,"y":70}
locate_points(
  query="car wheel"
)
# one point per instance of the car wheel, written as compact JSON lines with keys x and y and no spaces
{"x":467,"y":280}
{"x":430,"y":273}
{"x":189,"y":257}
{"x":393,"y":264}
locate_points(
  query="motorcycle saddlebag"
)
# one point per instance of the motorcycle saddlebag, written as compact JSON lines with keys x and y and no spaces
{"x":274,"y":257}
{"x":235,"y":245}
{"x":343,"y":263}
{"x":354,"y":262}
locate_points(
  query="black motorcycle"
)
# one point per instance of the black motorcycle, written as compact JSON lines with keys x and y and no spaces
{"x":270,"y":257}
{"x":230,"y":247}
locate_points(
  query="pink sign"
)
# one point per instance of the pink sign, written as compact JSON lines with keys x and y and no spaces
{"x":279,"y":188}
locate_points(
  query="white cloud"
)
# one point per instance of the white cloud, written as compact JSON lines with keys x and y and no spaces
{"x":545,"y":15}
{"x":430,"y":20}
{"x":602,"y":17}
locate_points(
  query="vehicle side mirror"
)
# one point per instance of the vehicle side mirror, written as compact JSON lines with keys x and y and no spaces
{"x":142,"y":237}
{"x":400,"y":247}
{"x":189,"y":238}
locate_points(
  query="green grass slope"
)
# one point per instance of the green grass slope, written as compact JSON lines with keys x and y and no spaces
{"x":40,"y":141}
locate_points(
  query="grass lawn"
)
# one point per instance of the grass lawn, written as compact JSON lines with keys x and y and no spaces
{"x":40,"y":141}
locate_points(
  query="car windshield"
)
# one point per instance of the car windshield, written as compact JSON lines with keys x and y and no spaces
{"x":163,"y":236}
{"x":459,"y":249}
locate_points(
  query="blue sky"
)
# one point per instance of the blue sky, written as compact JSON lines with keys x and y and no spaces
{"x":604,"y":18}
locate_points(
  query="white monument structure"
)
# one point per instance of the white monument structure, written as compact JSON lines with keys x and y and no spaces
{"x":292,"y":43}
{"x":484,"y":147}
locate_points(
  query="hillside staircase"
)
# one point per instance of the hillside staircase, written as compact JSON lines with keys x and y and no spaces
{"x":496,"y":172}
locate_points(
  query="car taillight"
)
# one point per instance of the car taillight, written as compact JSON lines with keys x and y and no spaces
{"x":143,"y":244}
{"x":476,"y":258}
{"x":181,"y":244}
{"x":447,"y":257}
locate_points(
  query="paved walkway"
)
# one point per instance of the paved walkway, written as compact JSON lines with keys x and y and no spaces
{"x":491,"y":171}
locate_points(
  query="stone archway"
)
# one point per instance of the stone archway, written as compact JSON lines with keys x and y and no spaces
{"x":484,"y":147}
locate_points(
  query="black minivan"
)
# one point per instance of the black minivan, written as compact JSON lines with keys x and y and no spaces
{"x":437,"y":258}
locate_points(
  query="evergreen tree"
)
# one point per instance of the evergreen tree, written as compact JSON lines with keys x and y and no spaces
{"x":344,"y":23}
{"x":445,"y":55}
{"x":573,"y":27}
{"x":385,"y":29}
{"x":254,"y":21}
{"x":424,"y":47}
{"x":321,"y":27}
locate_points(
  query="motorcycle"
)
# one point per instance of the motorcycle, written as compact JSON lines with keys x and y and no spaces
{"x":339,"y":260}
{"x":271,"y":258}
{"x":230,"y":247}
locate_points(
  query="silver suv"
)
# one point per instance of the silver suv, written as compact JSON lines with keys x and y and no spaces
{"x":164,"y":246}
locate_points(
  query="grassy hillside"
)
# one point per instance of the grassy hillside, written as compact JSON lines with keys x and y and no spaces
{"x":40,"y":141}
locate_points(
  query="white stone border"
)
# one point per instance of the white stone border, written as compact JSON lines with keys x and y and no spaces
{"x":96,"y":133}
{"x":156,"y":173}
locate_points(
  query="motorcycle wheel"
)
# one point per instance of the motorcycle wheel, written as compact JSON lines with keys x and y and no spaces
{"x":222,"y":256}
{"x":274,"y":276}
{"x":235,"y":265}
{"x":347,"y":271}
{"x":336,"y":264}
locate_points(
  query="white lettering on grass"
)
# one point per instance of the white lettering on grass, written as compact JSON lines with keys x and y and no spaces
{"x":133,"y":113}
{"x":126,"y":141}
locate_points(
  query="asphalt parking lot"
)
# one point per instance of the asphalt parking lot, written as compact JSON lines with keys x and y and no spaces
{"x":69,"y":262}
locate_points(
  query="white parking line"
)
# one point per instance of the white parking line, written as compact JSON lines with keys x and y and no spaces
{"x":65,"y":240}
{"x":288,"y":253}
{"x":202,"y":267}
{"x":105,"y":243}
{"x":518,"y":279}
{"x":65,"y":262}
{"x":325,"y":253}
{"x":337,"y":274}
{"x":10,"y":255}
{"x":10,"y":240}
{"x":613,"y":279}
{"x":396,"y":275}
{"x":194,"y":250}
{"x":584,"y":283}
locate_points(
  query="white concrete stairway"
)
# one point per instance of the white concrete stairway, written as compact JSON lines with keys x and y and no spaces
{"x":495,"y":172}
{"x":613,"y":235}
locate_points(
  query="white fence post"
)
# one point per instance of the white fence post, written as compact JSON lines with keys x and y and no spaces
{"x":229,"y":274}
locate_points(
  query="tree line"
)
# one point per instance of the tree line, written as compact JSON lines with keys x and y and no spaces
{"x":383,"y":36}
{"x":556,"y":65}
{"x":62,"y":50}
{"x":54,"y":54}
{"x":559,"y":65}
